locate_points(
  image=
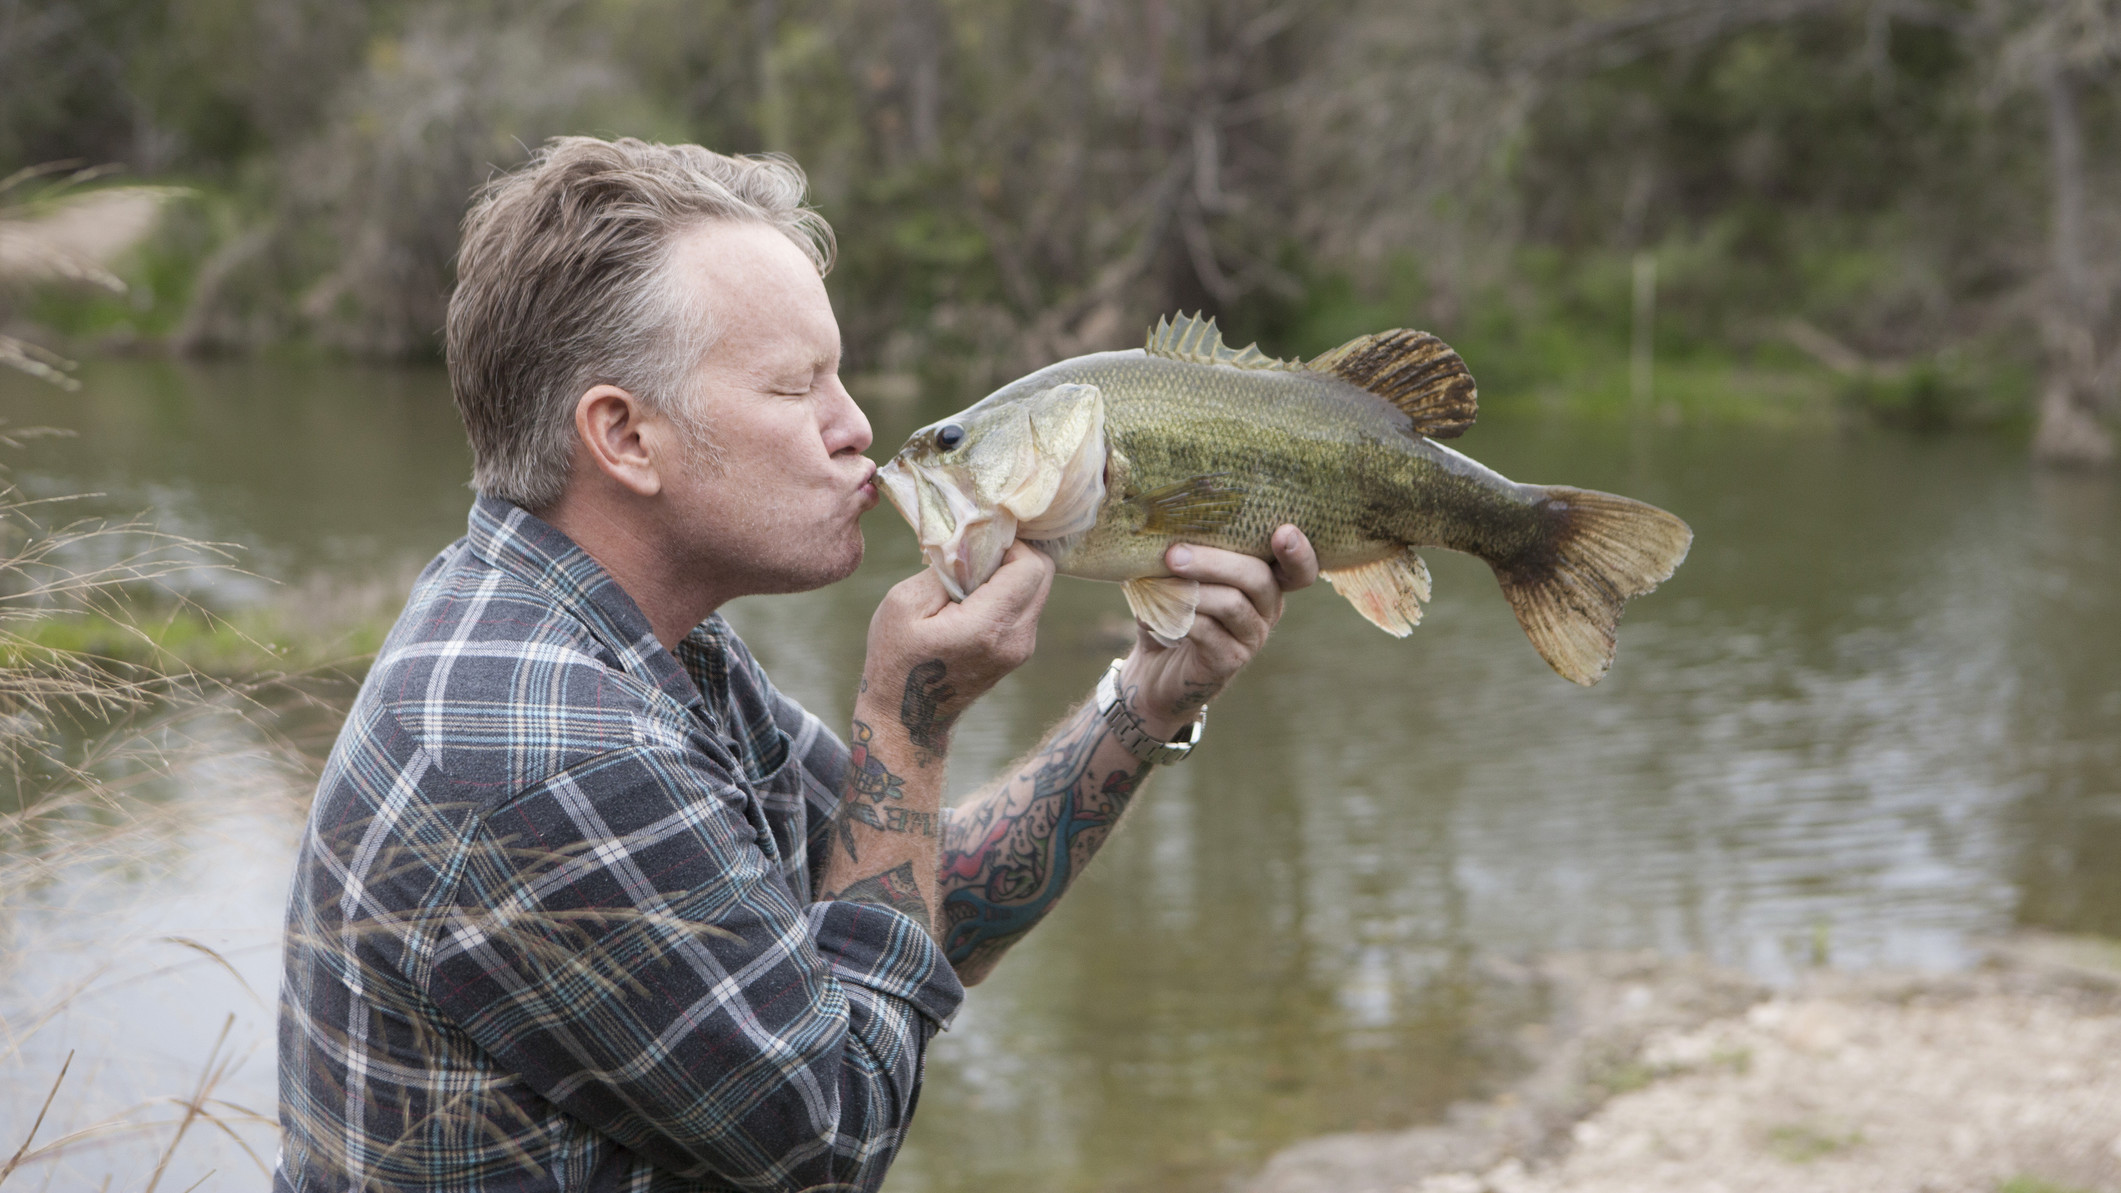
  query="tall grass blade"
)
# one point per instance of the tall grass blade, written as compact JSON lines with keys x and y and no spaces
{"x":209,"y":1076}
{"x":15,"y":1161}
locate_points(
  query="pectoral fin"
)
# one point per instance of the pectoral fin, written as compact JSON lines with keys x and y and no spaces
{"x":1388,"y":592}
{"x":1165,"y":604}
{"x":1197,"y":505}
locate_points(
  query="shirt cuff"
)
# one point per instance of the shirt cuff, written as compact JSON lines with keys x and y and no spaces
{"x":886,"y":951}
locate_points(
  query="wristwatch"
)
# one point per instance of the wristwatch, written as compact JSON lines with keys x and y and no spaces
{"x":1112,"y":706}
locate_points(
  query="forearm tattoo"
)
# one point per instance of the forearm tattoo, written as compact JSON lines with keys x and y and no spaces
{"x":867,"y":776}
{"x":1007,"y":860}
{"x":894,"y":888}
{"x":871,"y":790}
{"x":920,"y":710}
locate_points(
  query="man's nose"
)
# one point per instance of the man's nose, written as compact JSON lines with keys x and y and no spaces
{"x":847,"y":428}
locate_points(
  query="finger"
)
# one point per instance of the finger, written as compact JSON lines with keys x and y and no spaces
{"x":1216,"y":651}
{"x":1295,"y":562}
{"x":1021,"y":552}
{"x":920,"y":595}
{"x":1211,"y":565}
{"x":1234,"y":613}
{"x":1016,"y":589}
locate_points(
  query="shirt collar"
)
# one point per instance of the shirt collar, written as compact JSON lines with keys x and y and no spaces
{"x":540,"y":555}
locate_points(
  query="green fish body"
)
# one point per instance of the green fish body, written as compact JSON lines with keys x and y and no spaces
{"x":1193,"y":442}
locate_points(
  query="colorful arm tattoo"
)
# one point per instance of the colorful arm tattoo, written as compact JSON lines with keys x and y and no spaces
{"x":871,"y":790}
{"x":1007,"y":859}
{"x":874,"y":796}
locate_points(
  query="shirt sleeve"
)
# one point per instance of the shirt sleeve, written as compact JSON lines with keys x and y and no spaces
{"x":618,"y":937}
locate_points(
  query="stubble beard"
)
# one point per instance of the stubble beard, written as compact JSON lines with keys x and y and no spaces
{"x":805,"y":573}
{"x":851,"y":559}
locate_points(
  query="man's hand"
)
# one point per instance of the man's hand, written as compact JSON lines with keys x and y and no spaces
{"x":1240,"y":602}
{"x":930,"y":658}
{"x":1011,"y":851}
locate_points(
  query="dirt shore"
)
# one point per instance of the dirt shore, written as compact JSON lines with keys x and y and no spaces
{"x":1656,"y":1075}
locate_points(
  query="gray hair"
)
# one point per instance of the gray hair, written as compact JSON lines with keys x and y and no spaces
{"x":563,"y":283}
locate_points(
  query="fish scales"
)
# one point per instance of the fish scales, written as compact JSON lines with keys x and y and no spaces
{"x":1301,"y":448}
{"x":1104,"y":461}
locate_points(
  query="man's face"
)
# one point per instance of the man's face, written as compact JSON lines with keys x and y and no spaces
{"x":774,"y":504}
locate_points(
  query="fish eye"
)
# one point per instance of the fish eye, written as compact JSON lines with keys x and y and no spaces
{"x":948,"y":436}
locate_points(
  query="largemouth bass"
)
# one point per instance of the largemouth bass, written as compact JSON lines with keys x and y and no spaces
{"x":1103,"y":461}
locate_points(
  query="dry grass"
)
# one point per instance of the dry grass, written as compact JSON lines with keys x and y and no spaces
{"x":92,"y":738}
{"x":126,"y":774}
{"x":54,"y":229}
{"x":91,"y":748}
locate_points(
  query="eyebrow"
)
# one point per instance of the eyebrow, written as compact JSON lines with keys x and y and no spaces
{"x":791,"y":356}
{"x":823,"y":362}
{"x":791,"y":365}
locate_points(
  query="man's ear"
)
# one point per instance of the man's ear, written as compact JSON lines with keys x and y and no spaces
{"x":610,"y":423}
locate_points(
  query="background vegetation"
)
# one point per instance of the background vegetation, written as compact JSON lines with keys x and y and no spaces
{"x":1774,"y":210}
{"x":1908,"y":205}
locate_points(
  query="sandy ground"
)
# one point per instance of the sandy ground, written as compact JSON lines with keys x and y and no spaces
{"x":1665,"y":1076}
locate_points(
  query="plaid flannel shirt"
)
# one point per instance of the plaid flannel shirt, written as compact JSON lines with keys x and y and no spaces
{"x":553,"y":923}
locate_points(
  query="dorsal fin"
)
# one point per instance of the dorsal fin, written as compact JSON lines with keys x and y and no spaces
{"x":1414,"y":371}
{"x":1194,"y":339}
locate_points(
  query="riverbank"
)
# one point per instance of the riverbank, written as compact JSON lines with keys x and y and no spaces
{"x":1656,"y":1075}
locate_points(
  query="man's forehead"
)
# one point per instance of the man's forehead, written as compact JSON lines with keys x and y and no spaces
{"x":745,"y":263}
{"x":761,"y":293}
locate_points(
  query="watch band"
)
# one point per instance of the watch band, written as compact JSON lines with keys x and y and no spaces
{"x":1112,"y":706}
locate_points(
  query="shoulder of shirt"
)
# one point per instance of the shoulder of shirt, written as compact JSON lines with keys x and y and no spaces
{"x":500,"y":687}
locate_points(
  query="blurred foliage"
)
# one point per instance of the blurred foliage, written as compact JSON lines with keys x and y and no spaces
{"x":246,"y":644}
{"x":1016,"y":182}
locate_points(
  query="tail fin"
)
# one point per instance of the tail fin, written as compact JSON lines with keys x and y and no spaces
{"x":1598,"y":550}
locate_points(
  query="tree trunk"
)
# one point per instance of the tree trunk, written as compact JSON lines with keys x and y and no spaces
{"x":2069,"y":431}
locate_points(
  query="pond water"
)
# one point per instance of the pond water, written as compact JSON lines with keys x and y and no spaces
{"x":1876,"y":717}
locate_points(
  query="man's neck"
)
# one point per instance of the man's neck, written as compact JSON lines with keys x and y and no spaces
{"x":617,"y":539}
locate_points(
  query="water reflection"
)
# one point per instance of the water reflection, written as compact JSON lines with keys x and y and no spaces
{"x":1876,"y":715}
{"x":338,"y":470}
{"x":133,"y":944}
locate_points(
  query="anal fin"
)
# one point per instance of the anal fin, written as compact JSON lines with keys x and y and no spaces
{"x":1389,"y":592}
{"x":1165,"y":604}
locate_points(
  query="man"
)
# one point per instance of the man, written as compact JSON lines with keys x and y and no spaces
{"x":584,"y":903}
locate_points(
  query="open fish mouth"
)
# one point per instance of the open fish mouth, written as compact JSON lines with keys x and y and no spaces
{"x":1035,"y":471}
{"x":962,"y":541}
